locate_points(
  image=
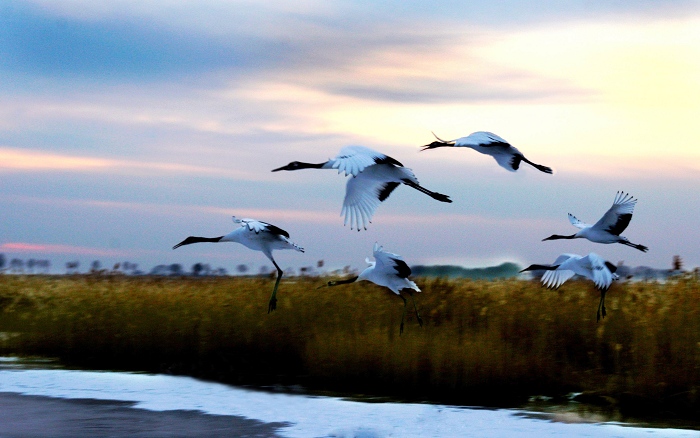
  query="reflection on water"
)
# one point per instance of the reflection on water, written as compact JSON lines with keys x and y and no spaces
{"x":572,"y":410}
{"x":28,"y":363}
{"x":306,"y":415}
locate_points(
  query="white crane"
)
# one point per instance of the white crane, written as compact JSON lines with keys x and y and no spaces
{"x":491,"y":144}
{"x":374,"y":177}
{"x":388,"y":270}
{"x":592,"y":266}
{"x":258,"y":236}
{"x":609,"y":227}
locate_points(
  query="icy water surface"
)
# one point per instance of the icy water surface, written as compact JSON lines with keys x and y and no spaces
{"x":304,"y":415}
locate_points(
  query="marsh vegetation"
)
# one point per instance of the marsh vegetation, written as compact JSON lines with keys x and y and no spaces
{"x":482,"y":342}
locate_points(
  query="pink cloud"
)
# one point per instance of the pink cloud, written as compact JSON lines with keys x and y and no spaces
{"x":21,"y":160}
{"x":23,"y":247}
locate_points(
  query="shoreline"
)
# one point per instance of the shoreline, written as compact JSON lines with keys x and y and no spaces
{"x":33,"y":415}
{"x":63,"y":403}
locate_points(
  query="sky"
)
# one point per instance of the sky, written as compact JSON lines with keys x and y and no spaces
{"x":126,"y":126}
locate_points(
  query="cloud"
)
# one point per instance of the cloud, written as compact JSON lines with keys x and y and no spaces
{"x":529,"y":88}
{"x":344,"y":50}
{"x":38,"y":43}
{"x":334,"y":50}
{"x":185,"y":211}
{"x":20,"y":160}
{"x":507,"y":14}
{"x":44,"y":248}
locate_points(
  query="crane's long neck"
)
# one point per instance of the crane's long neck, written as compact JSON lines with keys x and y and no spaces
{"x":540,"y":268}
{"x":311,"y":165}
{"x":557,"y":237}
{"x":296,"y":165}
{"x":194,"y":239}
{"x":438,"y":144}
{"x":346,"y":281}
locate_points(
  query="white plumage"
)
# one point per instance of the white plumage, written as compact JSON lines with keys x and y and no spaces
{"x":592,"y":267}
{"x":258,"y":236}
{"x":373,"y":177}
{"x":609,"y":227}
{"x":488,"y":143}
{"x":388,"y":270}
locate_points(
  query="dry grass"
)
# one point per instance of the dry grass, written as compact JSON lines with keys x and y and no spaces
{"x":482,"y":342}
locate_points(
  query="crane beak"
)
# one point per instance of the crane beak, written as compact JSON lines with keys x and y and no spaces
{"x":280,"y":168}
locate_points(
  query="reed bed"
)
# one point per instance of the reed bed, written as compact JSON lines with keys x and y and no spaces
{"x":482,"y":342}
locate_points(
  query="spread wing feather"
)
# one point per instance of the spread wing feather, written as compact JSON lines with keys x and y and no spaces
{"x":554,"y":279}
{"x":483,"y":139}
{"x":258,"y":226}
{"x":354,"y":159}
{"x":577,"y":223}
{"x":363,"y":195}
{"x":616,"y":219}
{"x":600,"y":274}
{"x":388,"y":261}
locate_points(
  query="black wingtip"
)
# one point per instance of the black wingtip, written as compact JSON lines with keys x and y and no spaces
{"x":442,"y":198}
{"x":541,"y":168}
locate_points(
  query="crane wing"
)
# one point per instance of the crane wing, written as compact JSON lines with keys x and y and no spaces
{"x":616,"y":219}
{"x":362,"y":197}
{"x":390,"y":262}
{"x":489,"y":143}
{"x":507,"y":161}
{"x":577,"y":223}
{"x":601,"y":275}
{"x":354,"y":159}
{"x":483,"y":139}
{"x":564,"y":257}
{"x":258,"y":226}
{"x":554,"y":279}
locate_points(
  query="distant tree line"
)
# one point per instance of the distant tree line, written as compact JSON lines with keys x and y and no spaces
{"x":19,"y":266}
{"x":504,"y":270}
{"x":34,"y":266}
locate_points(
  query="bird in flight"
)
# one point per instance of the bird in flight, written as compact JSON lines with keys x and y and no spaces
{"x":388,"y":270}
{"x":491,"y":144}
{"x":374,"y":177}
{"x":592,"y":267}
{"x":609,"y":227}
{"x":258,"y":236}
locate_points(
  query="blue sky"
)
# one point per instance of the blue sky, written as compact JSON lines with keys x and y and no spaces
{"x":126,"y":126}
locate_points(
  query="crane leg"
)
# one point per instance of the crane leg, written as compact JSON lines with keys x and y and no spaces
{"x":601,"y":305}
{"x":420,"y":320}
{"x":403,"y":314}
{"x":273,"y":298}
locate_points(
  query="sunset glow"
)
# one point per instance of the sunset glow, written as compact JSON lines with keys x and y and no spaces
{"x":148,"y":122}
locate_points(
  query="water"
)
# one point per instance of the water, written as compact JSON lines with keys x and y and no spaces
{"x":304,"y":415}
